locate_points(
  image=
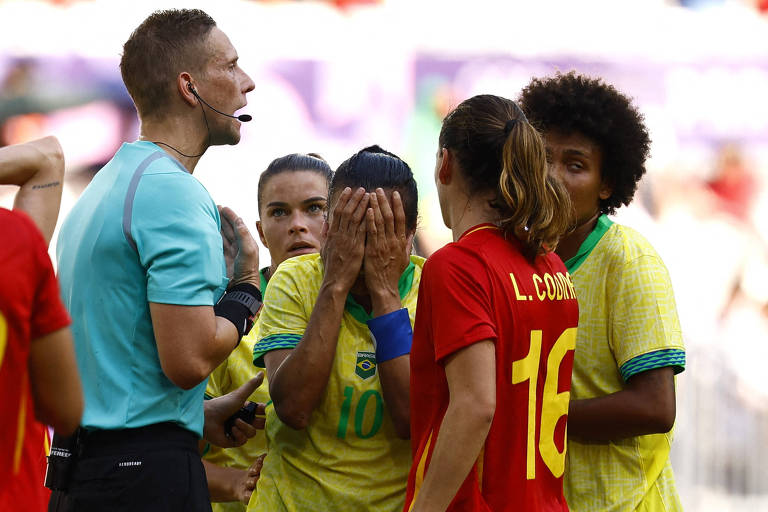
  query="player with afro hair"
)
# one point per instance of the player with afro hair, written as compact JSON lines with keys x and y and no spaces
{"x":629,"y":345}
{"x":577,"y":103}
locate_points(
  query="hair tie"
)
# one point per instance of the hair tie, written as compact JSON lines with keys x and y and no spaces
{"x":509,"y":125}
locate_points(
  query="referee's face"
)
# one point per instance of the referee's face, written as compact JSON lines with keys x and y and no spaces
{"x":577,"y":160}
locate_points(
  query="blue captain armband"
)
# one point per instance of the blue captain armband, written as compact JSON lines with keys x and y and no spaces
{"x":392,"y":334}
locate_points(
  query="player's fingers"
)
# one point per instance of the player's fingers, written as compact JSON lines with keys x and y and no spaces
{"x":238,"y":437}
{"x":409,"y":244}
{"x":359,"y":213}
{"x":399,"y":213}
{"x":378,"y":215}
{"x":370,"y":231}
{"x":341,"y":202}
{"x":386,"y":213}
{"x":352,"y":205}
{"x":361,"y":232}
{"x":243,"y":392}
{"x":246,"y":429}
{"x":255,"y":468}
{"x":259,"y":422}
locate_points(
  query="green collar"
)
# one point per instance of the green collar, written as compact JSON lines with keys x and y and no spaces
{"x":603,"y":224}
{"x":359,"y":313}
{"x":263,"y":281}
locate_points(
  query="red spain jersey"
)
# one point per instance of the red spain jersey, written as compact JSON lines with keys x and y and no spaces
{"x":30,"y":307}
{"x":482,"y":288}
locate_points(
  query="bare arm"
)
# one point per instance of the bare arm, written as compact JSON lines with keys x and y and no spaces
{"x":191,"y":340}
{"x":387,"y":254}
{"x":55,"y":381}
{"x":471,"y":375}
{"x":645,"y":406}
{"x":395,"y":376}
{"x":298,"y":377}
{"x":37,"y":167}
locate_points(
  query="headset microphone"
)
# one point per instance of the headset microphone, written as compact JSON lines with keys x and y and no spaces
{"x":242,"y":117}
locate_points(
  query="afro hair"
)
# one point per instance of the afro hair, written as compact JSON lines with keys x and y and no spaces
{"x":571,"y":103}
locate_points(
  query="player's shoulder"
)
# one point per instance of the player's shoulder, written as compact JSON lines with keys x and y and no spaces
{"x":418,"y":261}
{"x":551,"y":261}
{"x":19,"y":232}
{"x":303,"y":272}
{"x":14,"y":220}
{"x":304,"y":264}
{"x":622,"y":244}
{"x":454,"y":253}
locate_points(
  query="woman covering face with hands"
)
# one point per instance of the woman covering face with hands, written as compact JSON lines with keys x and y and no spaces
{"x":335,"y":336}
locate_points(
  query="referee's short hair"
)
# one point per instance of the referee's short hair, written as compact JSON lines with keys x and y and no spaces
{"x":165,"y":44}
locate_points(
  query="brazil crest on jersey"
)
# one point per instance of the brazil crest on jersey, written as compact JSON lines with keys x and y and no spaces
{"x":349,"y":456}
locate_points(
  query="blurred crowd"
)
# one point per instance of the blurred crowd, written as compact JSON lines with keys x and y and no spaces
{"x":704,"y":210}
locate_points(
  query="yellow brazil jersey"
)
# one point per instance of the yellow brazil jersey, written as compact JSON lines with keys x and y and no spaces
{"x":349,"y":457}
{"x":235,"y":371}
{"x":627,"y":324}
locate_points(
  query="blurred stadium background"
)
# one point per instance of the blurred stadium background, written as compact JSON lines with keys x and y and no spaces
{"x":334,"y":76}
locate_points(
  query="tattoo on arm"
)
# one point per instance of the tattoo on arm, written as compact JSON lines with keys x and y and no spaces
{"x":46,"y":185}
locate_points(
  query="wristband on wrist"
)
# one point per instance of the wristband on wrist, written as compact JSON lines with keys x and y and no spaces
{"x":392,"y":334}
{"x":239,"y":305}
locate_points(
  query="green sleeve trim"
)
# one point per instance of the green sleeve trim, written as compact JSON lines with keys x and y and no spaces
{"x":359,"y":313}
{"x":602,"y":226}
{"x":657,"y":359}
{"x":206,"y":450}
{"x":273,"y":342}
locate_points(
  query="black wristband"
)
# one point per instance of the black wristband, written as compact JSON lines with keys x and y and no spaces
{"x":239,"y":305}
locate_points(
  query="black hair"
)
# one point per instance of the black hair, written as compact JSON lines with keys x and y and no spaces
{"x":373,"y":168}
{"x":292,"y":163}
{"x":165,"y":44}
{"x":571,"y":103}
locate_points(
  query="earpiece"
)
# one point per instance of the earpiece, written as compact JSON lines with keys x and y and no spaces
{"x":242,"y":117}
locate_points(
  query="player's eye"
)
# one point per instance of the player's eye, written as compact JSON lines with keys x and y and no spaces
{"x":316,"y":208}
{"x":278,"y":212}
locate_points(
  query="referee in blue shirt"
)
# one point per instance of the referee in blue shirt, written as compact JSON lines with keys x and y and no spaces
{"x":143,"y":274}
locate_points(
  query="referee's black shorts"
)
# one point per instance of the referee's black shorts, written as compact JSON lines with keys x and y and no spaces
{"x":156,"y":468}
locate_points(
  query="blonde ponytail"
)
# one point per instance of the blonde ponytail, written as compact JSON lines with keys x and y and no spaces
{"x":537,"y":204}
